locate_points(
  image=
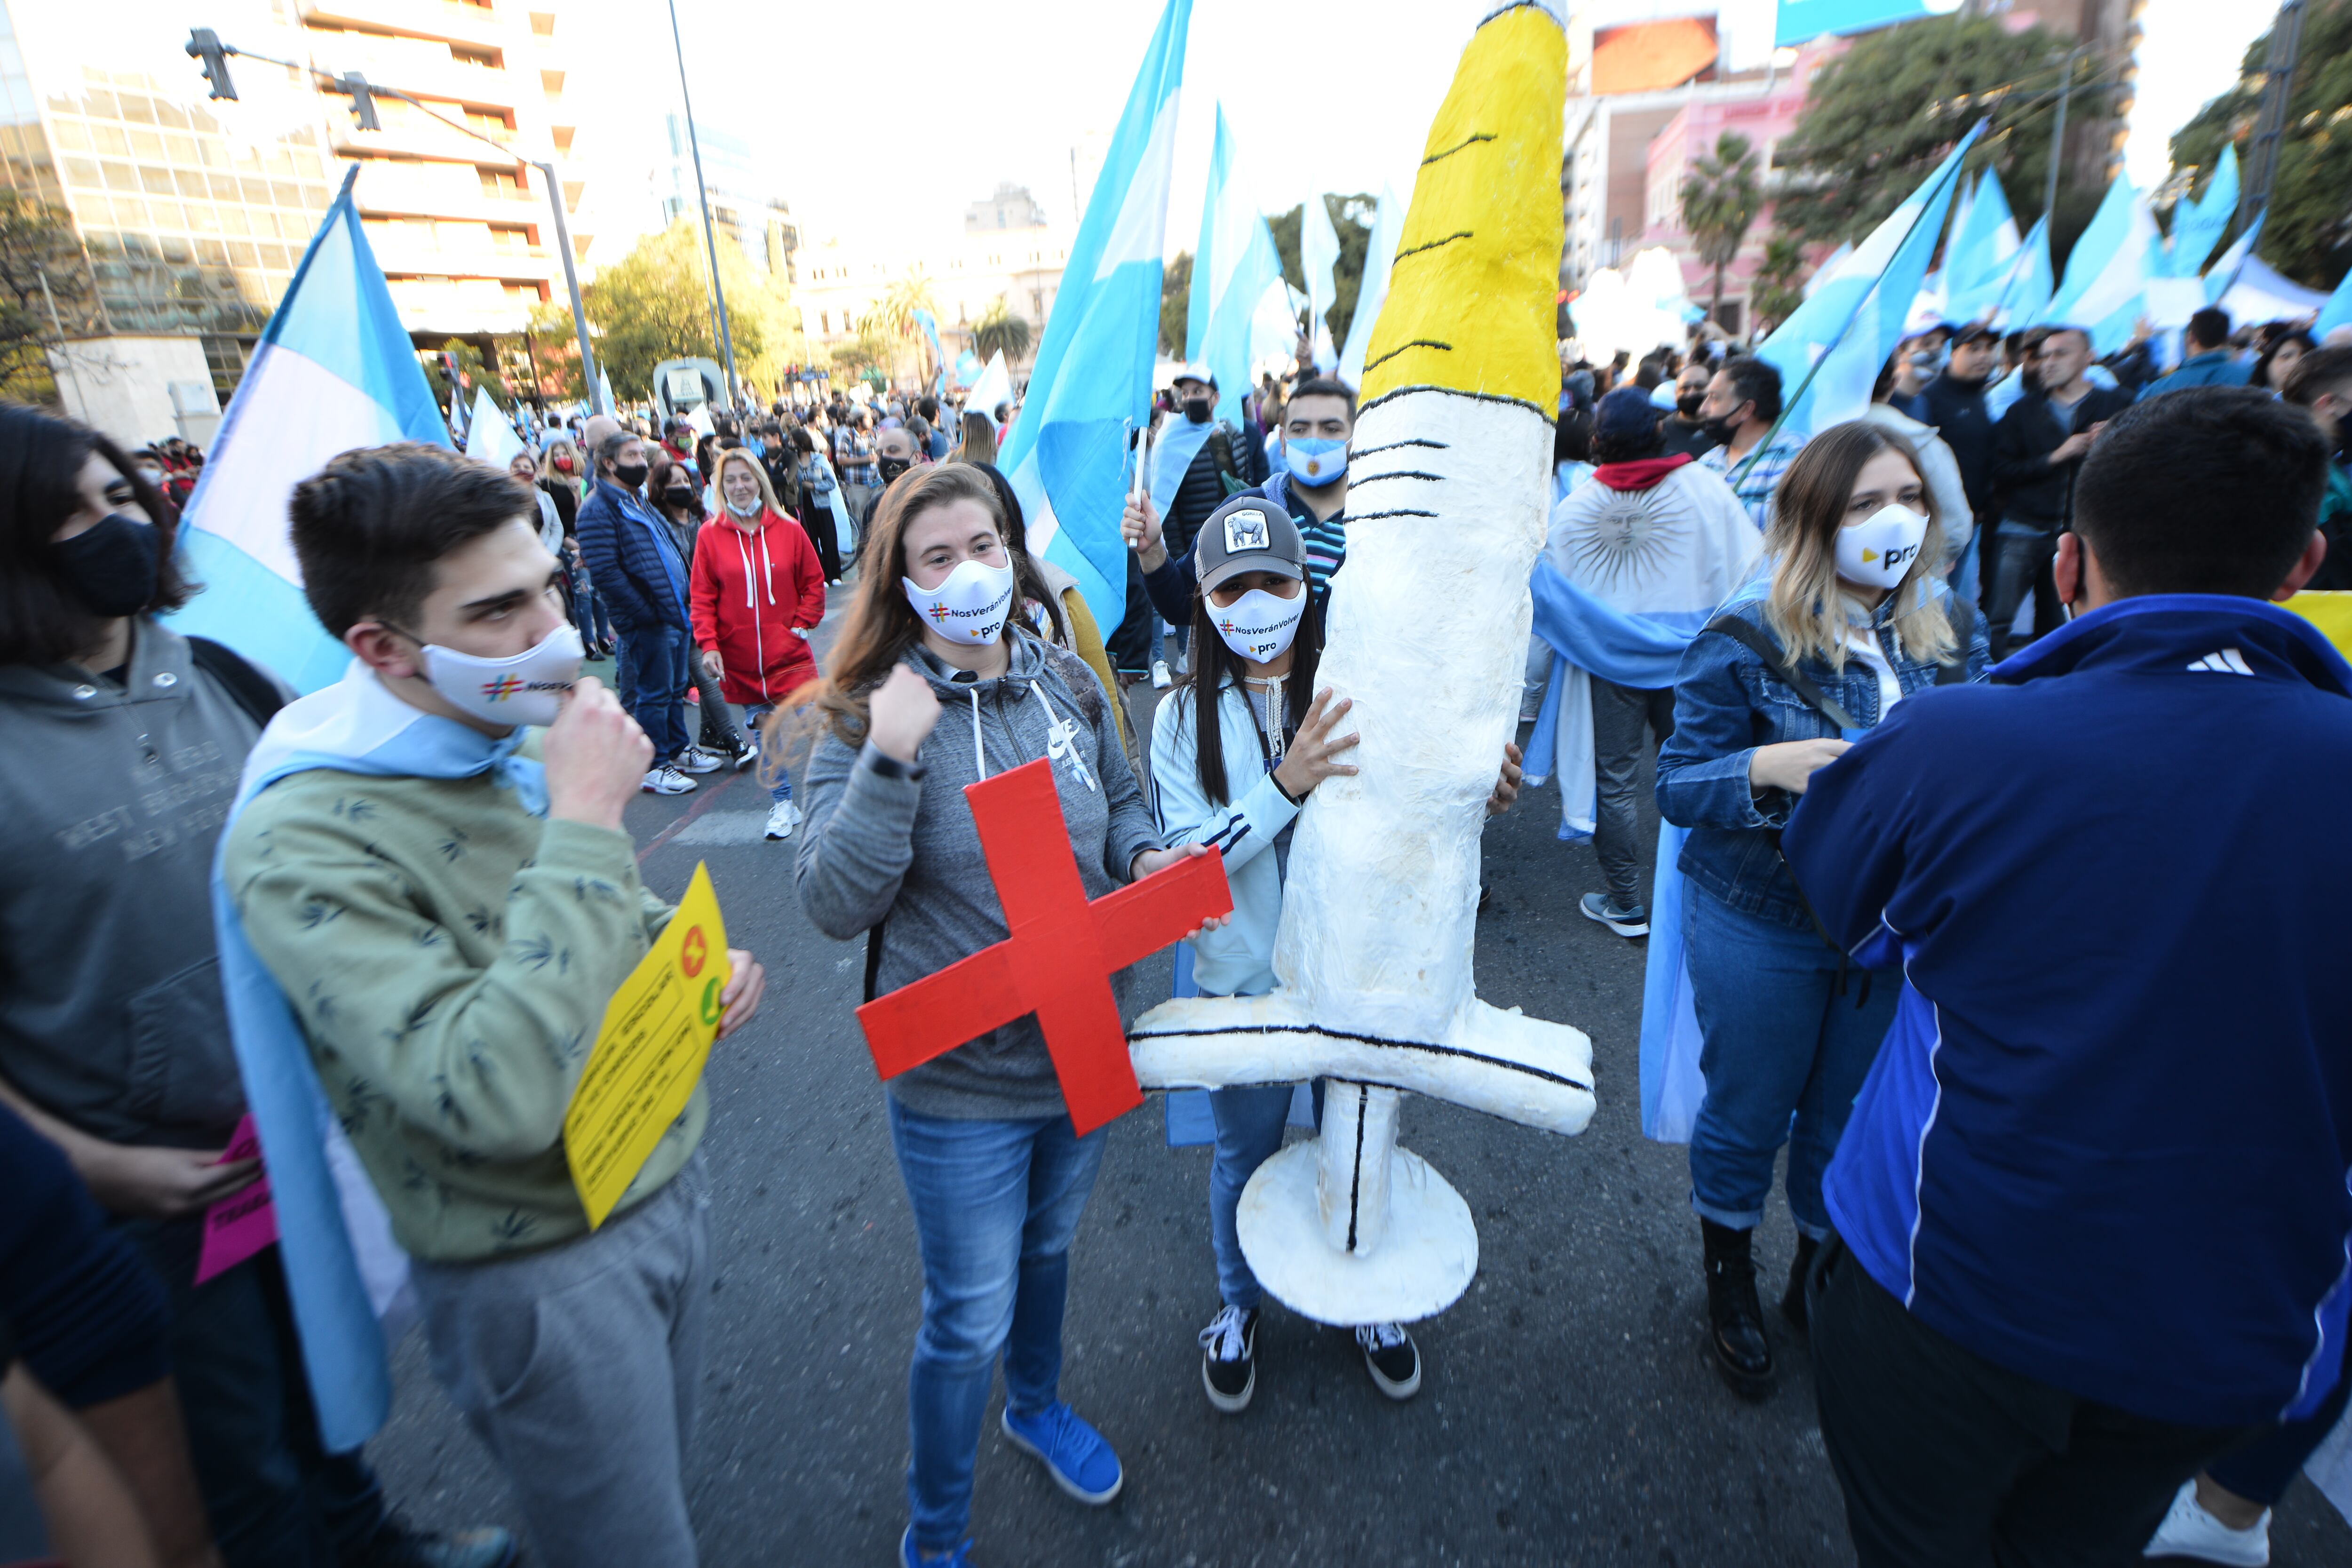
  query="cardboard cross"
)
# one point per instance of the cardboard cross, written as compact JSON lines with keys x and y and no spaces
{"x":1059,"y":958}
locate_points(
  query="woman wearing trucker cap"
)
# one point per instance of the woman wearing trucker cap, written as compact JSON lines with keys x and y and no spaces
{"x":1236,"y":785}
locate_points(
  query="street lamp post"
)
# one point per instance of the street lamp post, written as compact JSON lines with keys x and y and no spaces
{"x":204,"y":44}
{"x":709,"y":232}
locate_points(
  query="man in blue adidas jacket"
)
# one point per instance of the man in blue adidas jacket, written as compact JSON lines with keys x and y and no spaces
{"x":2093,"y":1198}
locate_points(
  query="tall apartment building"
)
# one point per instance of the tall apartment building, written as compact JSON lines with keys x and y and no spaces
{"x":744,"y":205}
{"x":194,"y":214}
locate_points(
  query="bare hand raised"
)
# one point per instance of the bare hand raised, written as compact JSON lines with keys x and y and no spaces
{"x":1308,"y":761}
{"x":903,"y":709}
{"x":596,"y":757}
{"x":1139,"y":525}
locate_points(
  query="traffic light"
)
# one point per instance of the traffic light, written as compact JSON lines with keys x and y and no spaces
{"x":204,"y":44}
{"x":362,"y":101}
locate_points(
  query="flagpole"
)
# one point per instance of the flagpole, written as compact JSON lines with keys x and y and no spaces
{"x":1789,"y":403}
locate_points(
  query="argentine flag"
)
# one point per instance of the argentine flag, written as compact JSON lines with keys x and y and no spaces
{"x":2198,"y":225}
{"x":1236,"y":272}
{"x":1379,"y":256}
{"x":1831,"y":349}
{"x":1067,"y":457}
{"x":1977,"y":261}
{"x":1319,"y":254}
{"x":2106,"y":287}
{"x":334,"y":370}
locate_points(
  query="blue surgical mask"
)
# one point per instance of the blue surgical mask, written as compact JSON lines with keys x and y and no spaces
{"x":1315,"y":463}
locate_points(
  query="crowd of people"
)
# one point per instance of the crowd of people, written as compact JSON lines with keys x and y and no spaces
{"x":2011,"y":907}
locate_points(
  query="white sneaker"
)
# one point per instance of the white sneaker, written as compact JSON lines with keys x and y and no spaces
{"x":667,"y":780}
{"x":782,"y":818}
{"x":2188,"y":1531}
{"x":1160,"y":679}
{"x":695,"y":760}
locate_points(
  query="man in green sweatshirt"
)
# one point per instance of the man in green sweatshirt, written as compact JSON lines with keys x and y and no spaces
{"x":447,"y":922}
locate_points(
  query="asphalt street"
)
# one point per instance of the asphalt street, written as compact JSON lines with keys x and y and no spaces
{"x":1567,"y":1415}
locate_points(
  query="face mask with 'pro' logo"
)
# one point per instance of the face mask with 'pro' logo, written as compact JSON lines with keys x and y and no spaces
{"x":969,"y":606}
{"x":1878,"y":552}
{"x":1258,"y":626}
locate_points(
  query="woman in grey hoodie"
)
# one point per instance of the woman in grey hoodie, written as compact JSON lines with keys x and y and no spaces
{"x":995,"y":1174}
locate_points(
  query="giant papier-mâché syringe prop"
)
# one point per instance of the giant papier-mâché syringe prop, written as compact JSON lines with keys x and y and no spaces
{"x":1451,"y":470}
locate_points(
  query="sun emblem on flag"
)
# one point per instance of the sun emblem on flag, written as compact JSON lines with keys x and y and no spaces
{"x":504,"y":686}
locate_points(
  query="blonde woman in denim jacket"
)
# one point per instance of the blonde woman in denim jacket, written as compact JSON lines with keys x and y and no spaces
{"x":1789,"y":1029}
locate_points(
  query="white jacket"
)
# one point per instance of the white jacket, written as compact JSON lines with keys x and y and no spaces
{"x":1237,"y":959}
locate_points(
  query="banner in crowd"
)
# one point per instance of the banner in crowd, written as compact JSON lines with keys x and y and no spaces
{"x":1236,"y":269}
{"x":1091,"y":385}
{"x":2105,"y":289}
{"x":2198,"y":225}
{"x":1319,"y":254}
{"x":334,"y":370}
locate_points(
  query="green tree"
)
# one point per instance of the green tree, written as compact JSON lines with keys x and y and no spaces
{"x":895,"y":314}
{"x":654,"y":304}
{"x":2308,"y":234}
{"x":1778,"y":289}
{"x":475,"y":372}
{"x":1001,"y":331}
{"x":1884,"y":114}
{"x":1351,"y":220}
{"x":870,"y":351}
{"x":1720,"y":199}
{"x":1175,"y":304}
{"x":45,"y":285}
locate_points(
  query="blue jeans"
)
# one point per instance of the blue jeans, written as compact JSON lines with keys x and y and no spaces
{"x":995,"y":1205}
{"x":1780,"y":1042}
{"x":771,"y":748}
{"x":1249,"y":1130}
{"x":588,"y":610}
{"x":654,"y":680}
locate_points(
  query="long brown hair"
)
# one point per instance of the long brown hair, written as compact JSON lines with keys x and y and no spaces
{"x":881,"y":625}
{"x":1809,"y":507}
{"x":1216,"y":666}
{"x":978,"y":439}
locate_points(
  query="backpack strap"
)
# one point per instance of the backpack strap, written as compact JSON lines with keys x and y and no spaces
{"x":252,"y":691}
{"x":1747,"y":635}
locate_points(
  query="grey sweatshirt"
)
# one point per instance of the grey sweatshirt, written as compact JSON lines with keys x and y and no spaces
{"x":112,"y":799}
{"x":896,"y":847}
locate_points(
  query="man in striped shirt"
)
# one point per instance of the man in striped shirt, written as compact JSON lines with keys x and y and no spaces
{"x":1316,"y":429}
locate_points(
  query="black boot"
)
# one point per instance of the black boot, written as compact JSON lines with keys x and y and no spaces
{"x":1792,"y":1301}
{"x":1734,"y":1317}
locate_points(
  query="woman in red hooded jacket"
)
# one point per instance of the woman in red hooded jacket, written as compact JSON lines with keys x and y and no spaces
{"x":756,"y":589}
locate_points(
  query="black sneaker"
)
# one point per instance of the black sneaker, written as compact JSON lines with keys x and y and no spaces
{"x":1390,"y":1357}
{"x":1229,"y":1359}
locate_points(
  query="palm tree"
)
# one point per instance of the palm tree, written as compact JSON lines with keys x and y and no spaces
{"x":1721,"y":198}
{"x":894,"y":312}
{"x":1775,"y":292}
{"x":999,"y":331}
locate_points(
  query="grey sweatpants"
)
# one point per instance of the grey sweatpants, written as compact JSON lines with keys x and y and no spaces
{"x":1620,"y":716}
{"x":577,"y":1367}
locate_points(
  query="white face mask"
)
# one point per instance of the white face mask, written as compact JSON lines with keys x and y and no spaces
{"x":747,"y":508}
{"x":1258,"y":626}
{"x":525,"y":689}
{"x":1877,"y":552}
{"x":970,"y":606}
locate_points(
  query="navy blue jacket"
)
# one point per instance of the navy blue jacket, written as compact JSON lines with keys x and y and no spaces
{"x":2105,"y":1145}
{"x":624,"y":546}
{"x":1726,"y":705}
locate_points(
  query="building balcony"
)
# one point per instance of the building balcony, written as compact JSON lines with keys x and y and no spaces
{"x":426,"y":69}
{"x":447,"y":19}
{"x":401,"y":256}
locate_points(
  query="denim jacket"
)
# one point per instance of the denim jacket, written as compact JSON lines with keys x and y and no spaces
{"x":1726,"y":705}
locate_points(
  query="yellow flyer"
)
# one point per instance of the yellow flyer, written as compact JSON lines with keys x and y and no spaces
{"x":649,"y":1052}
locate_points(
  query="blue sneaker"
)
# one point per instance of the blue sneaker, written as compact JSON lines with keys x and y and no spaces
{"x":1074,"y":1453}
{"x":909,"y":1557}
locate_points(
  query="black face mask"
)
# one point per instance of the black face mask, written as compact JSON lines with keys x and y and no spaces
{"x":1688,"y":404}
{"x":1198,"y":409}
{"x":892,"y":468}
{"x":1720,"y":430}
{"x":630,"y":475}
{"x":678,"y":496}
{"x":112,"y":567}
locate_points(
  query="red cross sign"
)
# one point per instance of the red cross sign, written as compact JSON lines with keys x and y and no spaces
{"x":1057,"y":962}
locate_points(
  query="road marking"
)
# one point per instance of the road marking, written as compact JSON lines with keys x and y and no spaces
{"x":724,"y":827}
{"x":709,"y":794}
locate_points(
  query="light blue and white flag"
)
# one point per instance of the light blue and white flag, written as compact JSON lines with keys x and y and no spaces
{"x":994,"y":387}
{"x":2198,"y":225}
{"x":2222,"y":276}
{"x":2336,"y":312}
{"x":1092,"y":383}
{"x":488,"y":434}
{"x":2028,"y":281}
{"x":1236,"y":274}
{"x":930,"y":325}
{"x":1319,"y":255}
{"x":1977,"y":263}
{"x":334,"y":370}
{"x":2105,"y":289}
{"x":1380,"y":255}
{"x":1831,"y":349}
{"x":1801,"y":20}
{"x":967,"y":368}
